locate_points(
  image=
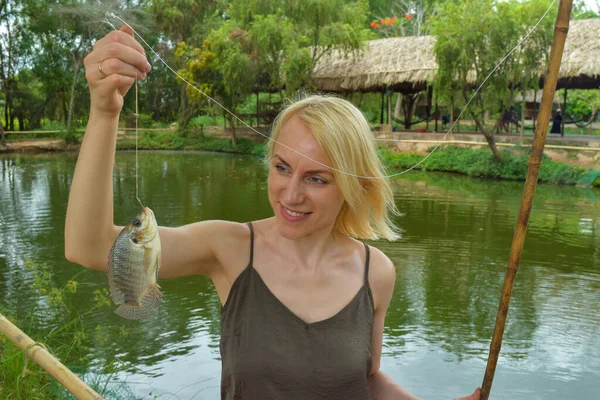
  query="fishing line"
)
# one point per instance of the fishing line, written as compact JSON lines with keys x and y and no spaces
{"x":137,"y":176}
{"x":137,"y":115}
{"x":113,"y":15}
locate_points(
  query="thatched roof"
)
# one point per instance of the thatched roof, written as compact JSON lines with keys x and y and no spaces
{"x":580,"y":66}
{"x":405,"y":64}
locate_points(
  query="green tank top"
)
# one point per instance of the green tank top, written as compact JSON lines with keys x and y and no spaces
{"x":268,"y":352}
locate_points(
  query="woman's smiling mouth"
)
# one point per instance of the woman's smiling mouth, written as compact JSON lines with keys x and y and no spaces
{"x":292,"y":215}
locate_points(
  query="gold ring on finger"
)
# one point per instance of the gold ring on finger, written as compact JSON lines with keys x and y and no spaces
{"x":100,"y":68}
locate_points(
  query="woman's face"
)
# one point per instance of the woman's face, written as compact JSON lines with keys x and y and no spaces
{"x":303,"y":194}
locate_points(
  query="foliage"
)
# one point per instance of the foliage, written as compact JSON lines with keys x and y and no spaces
{"x":186,"y":20}
{"x":472,"y":36}
{"x":50,"y":323}
{"x":480,"y":163}
{"x":582,"y":103}
{"x":269,"y":46}
{"x":402,"y":17}
{"x":582,"y":11}
{"x":174,"y":141}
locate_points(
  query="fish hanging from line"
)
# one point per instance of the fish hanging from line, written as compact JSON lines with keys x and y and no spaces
{"x":133,"y":266}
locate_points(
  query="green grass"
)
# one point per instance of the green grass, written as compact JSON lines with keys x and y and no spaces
{"x":48,"y":320}
{"x":475,"y":163}
{"x":481,"y":163}
{"x":171,"y":140}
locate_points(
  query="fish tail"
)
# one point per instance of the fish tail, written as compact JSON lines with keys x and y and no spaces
{"x":131,"y":311}
{"x":151,"y":299}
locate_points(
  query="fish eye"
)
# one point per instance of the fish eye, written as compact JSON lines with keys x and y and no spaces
{"x":136,"y":222}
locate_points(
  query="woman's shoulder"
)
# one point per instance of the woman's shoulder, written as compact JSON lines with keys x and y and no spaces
{"x":382,"y":276}
{"x":237,"y":235}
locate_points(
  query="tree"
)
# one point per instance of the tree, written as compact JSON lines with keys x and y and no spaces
{"x":16,"y":48}
{"x":471,"y":38}
{"x":271,"y":45}
{"x":307,"y":30}
{"x":64,"y":33}
{"x":524,"y":66}
{"x":402,"y":17}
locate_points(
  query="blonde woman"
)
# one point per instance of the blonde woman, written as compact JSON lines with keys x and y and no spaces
{"x":303,"y":301}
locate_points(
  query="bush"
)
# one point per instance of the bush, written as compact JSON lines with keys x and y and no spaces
{"x":482,"y":164}
{"x":171,"y":140}
{"x":50,"y":323}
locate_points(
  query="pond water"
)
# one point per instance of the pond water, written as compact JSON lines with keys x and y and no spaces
{"x":450,"y":268}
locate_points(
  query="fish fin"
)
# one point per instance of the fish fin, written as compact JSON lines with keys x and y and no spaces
{"x":157,"y":265}
{"x":130,"y":311}
{"x":151,"y":299}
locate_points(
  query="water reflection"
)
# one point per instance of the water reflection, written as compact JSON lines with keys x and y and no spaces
{"x":450,"y":262}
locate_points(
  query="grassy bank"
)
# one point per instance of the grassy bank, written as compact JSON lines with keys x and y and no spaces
{"x":49,"y":320}
{"x":476,"y":163}
{"x":481,"y":164}
{"x":171,"y":140}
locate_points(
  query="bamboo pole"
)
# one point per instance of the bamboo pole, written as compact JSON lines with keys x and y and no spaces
{"x":41,"y":356}
{"x":561,"y":28}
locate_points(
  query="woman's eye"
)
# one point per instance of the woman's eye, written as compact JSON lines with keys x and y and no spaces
{"x":280,"y":168}
{"x":317,"y":180}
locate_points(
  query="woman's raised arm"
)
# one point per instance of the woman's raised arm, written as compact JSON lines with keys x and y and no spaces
{"x":111,"y":69}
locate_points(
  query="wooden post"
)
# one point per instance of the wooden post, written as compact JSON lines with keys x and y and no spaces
{"x":561,"y":28}
{"x":382,"y":106}
{"x":429,"y":97}
{"x":535,"y":110}
{"x":389,"y":107}
{"x":257,"y":108}
{"x":41,"y":356}
{"x":564,"y":115}
{"x":437,"y":112}
{"x":452,"y":111}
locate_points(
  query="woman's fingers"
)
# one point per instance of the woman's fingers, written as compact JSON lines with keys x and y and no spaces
{"x":112,"y":67}
{"x":124,"y":61}
{"x":116,"y":58}
{"x":127,"y":30}
{"x":122,"y":47}
{"x":120,"y":36}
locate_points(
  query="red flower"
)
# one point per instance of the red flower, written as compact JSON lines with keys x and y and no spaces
{"x":408,"y":17}
{"x":392,"y":20}
{"x":374,"y":24}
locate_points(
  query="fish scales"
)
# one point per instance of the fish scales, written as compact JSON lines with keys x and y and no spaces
{"x":134,"y":262}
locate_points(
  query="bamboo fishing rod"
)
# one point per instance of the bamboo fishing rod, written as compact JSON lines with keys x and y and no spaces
{"x":561,"y":28}
{"x":42,"y":357}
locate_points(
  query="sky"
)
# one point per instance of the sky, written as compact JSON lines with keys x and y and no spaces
{"x":592,"y":4}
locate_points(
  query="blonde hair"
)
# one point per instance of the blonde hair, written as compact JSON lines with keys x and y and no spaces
{"x":345,"y":136}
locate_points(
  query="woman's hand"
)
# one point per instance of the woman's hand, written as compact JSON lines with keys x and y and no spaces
{"x":111,"y":68}
{"x":476,"y":395}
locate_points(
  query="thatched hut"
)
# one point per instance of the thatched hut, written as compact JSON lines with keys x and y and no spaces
{"x":407,"y":64}
{"x":402,"y":64}
{"x":580,"y":66}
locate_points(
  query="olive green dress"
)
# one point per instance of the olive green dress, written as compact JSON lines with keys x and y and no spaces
{"x":268,"y":352}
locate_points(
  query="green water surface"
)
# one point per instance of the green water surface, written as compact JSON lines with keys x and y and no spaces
{"x":450,"y":267}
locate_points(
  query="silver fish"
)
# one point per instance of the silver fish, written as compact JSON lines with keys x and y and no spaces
{"x":134,"y":262}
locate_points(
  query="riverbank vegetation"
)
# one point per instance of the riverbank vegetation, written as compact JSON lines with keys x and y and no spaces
{"x":478,"y":163}
{"x":251,"y":56}
{"x":49,"y":320}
